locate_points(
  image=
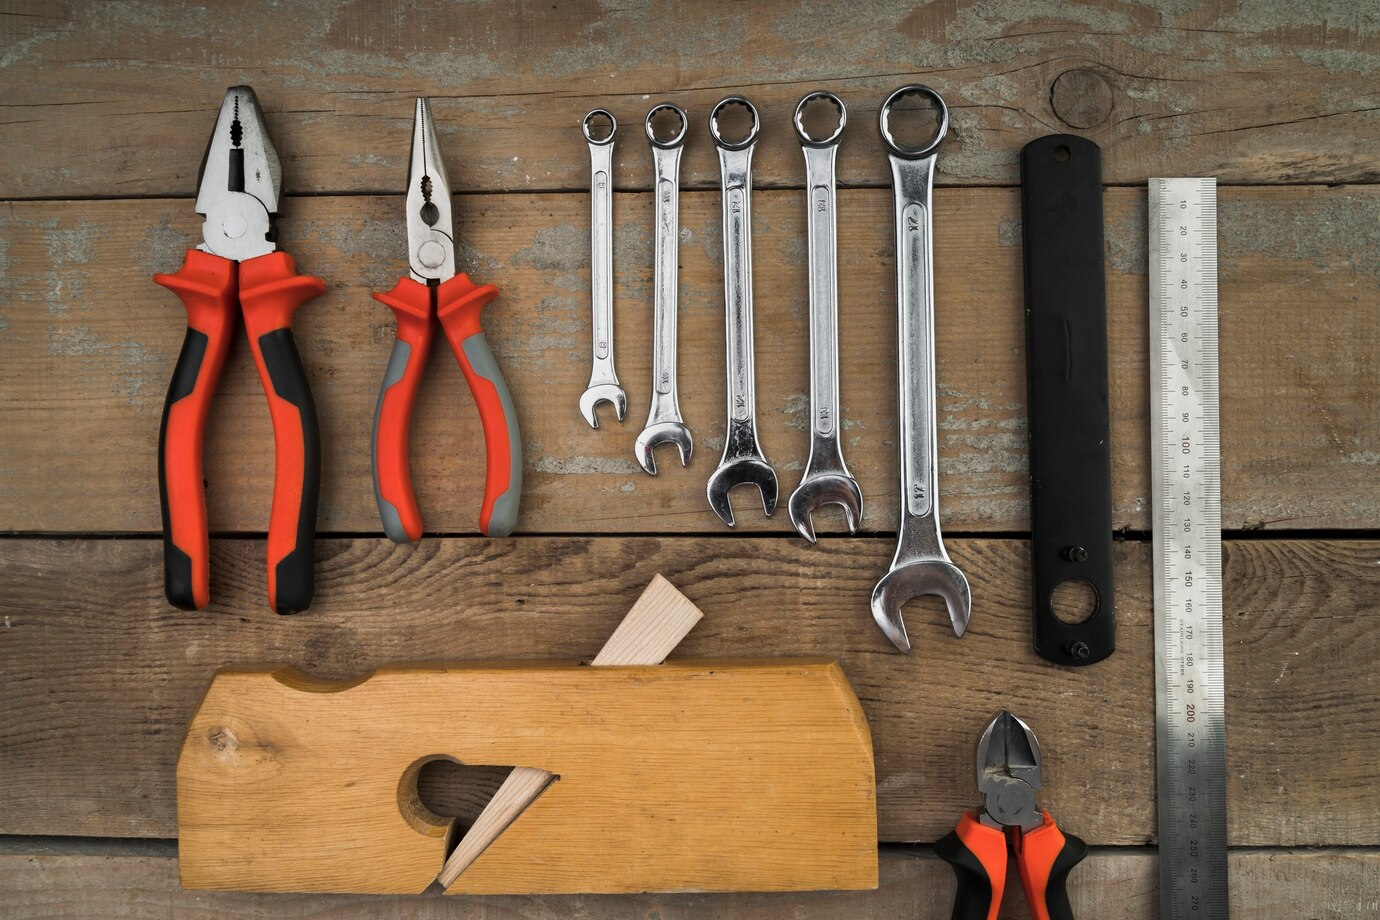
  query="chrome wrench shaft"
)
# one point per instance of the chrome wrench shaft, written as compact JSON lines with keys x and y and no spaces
{"x":826,"y":479}
{"x":664,"y":424}
{"x":603,"y":380}
{"x":743,"y":462}
{"x":921,"y":565}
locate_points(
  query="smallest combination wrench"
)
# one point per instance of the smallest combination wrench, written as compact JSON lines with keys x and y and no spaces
{"x":920,"y":566}
{"x":664,"y":423}
{"x":742,"y":463}
{"x":826,"y":479}
{"x":603,"y":380}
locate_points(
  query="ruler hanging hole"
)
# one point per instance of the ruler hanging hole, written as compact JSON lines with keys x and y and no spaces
{"x":1062,"y":154}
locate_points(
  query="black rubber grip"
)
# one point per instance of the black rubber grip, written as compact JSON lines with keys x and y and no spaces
{"x":973,"y":900}
{"x":1056,"y":889}
{"x":295,"y":572}
{"x":177,"y":562}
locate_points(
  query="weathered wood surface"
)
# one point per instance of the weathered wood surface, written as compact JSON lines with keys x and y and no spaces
{"x":89,"y":344}
{"x":1326,"y":885}
{"x":101,"y":675}
{"x":117,"y":98}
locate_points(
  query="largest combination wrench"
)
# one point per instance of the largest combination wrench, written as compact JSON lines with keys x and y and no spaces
{"x":826,"y":479}
{"x":920,"y":566}
{"x":603,"y":380}
{"x":742,"y":463}
{"x":664,"y":423}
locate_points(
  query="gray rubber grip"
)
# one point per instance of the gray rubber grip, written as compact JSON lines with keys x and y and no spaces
{"x":504,"y":516}
{"x":397,"y":364}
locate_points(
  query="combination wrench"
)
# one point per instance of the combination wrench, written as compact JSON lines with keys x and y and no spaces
{"x":920,"y":566}
{"x":743,"y":462}
{"x":664,"y":424}
{"x":603,"y":380}
{"x":826,"y":479}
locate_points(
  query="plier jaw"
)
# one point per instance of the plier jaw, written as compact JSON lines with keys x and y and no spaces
{"x":240,"y":181}
{"x":1008,"y":773}
{"x":430,"y":224}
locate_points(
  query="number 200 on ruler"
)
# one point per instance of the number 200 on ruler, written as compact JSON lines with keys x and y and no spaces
{"x":1187,"y":517}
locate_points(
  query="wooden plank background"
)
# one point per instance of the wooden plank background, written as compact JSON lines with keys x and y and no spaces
{"x":105,"y":112}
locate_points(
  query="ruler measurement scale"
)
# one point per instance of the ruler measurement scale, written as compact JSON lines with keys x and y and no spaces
{"x":1187,"y":515}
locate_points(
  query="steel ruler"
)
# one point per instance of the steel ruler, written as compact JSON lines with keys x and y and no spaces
{"x":1190,"y":727}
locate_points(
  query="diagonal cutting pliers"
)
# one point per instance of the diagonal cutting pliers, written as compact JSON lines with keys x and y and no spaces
{"x":238,"y":270}
{"x":1008,"y":775}
{"x":432,"y":291}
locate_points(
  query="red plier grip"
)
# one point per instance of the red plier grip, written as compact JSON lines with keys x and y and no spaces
{"x":397,"y":503}
{"x":459,"y":302}
{"x":270,"y":293}
{"x":206,"y":286}
{"x":978,"y":854}
{"x":1045,"y":856}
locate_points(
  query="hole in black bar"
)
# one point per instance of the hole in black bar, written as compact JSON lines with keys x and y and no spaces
{"x":666,"y":124}
{"x":734,"y":122}
{"x":1073,"y":601}
{"x":600,"y":127}
{"x":913,"y":121}
{"x":820,"y":117}
{"x":1062,"y":154}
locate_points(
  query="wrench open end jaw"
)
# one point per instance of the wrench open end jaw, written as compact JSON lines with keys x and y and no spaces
{"x":747,"y":471}
{"x":814,"y":492}
{"x":610,"y":393}
{"x":662,"y":433}
{"x":913,"y":579}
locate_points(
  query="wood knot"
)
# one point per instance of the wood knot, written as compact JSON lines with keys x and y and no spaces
{"x":1081,"y":98}
{"x":222,"y":741}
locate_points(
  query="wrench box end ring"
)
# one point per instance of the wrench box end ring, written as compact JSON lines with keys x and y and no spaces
{"x":613,"y":127}
{"x":723,"y":142}
{"x":805,"y":137}
{"x":680,"y":135}
{"x":884,"y":118}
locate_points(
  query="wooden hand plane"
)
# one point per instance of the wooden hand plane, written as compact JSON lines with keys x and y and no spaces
{"x":684,"y":776}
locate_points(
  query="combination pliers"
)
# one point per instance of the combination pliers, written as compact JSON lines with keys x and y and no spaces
{"x":1008,"y":775}
{"x":237,"y":269}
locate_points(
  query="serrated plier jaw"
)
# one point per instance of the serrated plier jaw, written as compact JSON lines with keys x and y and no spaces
{"x":240,"y":181}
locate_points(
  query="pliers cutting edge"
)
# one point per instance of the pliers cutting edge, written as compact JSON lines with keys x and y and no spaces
{"x":238,"y":263}
{"x":433,"y":291}
{"x":1008,"y":774}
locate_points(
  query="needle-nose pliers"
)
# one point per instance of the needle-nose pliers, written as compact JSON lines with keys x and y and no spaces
{"x":237,"y":269}
{"x":1008,"y":774}
{"x":433,"y":291}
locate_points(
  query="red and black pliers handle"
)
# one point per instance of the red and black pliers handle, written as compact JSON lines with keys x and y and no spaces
{"x":456,"y":303}
{"x":267,"y":290}
{"x":1044,"y":856}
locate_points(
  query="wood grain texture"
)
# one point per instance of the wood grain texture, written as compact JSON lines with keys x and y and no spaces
{"x":657,"y":622}
{"x":89,"y":344}
{"x":100,"y":676}
{"x":106,"y":98}
{"x":1326,"y":885}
